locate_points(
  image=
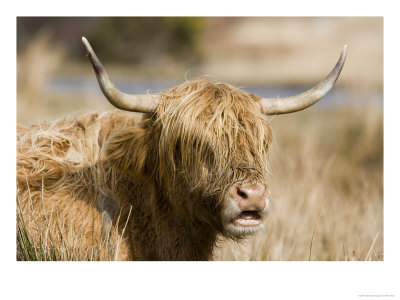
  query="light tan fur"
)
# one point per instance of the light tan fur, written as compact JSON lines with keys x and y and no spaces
{"x":163,"y":179}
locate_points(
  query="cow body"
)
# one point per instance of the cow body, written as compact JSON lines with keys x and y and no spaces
{"x":83,"y":173}
{"x":164,"y":186}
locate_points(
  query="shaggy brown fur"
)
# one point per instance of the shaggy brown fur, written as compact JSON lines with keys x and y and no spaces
{"x":164,"y":178}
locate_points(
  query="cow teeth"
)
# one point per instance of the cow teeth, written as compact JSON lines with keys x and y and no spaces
{"x":247,"y":222}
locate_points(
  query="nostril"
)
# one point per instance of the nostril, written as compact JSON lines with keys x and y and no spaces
{"x":241,"y":193}
{"x":250,"y":198}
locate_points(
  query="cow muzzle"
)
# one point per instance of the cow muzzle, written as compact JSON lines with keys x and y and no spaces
{"x":245,"y":209}
{"x":251,"y":201}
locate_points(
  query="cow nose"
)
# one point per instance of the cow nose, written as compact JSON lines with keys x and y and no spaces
{"x":250,"y":197}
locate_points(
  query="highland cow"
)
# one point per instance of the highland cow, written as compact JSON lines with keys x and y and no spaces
{"x":167,"y":185}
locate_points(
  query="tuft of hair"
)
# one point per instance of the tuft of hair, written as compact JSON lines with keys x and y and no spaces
{"x":60,"y":175}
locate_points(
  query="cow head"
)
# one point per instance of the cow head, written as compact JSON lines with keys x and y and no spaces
{"x":204,"y":146}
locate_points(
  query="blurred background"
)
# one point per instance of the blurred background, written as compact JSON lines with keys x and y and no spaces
{"x":326,"y":161}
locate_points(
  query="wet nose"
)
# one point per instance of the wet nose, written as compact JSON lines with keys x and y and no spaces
{"x":250,"y":197}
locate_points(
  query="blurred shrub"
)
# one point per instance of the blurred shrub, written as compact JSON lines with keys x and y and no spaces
{"x":121,"y":39}
{"x":146,"y":39}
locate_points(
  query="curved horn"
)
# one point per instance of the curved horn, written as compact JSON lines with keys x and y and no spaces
{"x":137,"y":103}
{"x":275,"y":106}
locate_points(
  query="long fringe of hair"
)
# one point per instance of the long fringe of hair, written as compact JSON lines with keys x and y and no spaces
{"x":212,"y":135}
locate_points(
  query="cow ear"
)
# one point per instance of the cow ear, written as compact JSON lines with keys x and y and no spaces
{"x":126,"y":150}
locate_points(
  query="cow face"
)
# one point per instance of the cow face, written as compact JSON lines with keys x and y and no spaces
{"x":206,"y":147}
{"x":213,"y":139}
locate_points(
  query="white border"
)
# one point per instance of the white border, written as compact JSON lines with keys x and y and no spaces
{"x":223,"y":280}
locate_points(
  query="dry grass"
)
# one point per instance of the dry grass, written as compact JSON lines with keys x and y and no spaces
{"x":42,"y":237}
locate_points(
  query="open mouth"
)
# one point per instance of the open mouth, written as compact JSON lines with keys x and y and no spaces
{"x":248,"y":218}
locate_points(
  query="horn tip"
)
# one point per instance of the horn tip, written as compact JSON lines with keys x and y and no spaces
{"x":85,"y":41}
{"x":88,"y":48}
{"x":344,"y":49}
